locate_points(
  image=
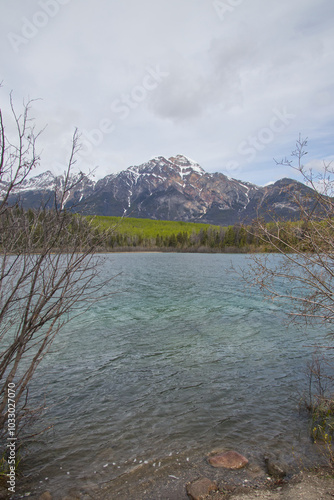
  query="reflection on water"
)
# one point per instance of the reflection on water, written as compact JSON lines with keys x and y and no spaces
{"x":182,"y":360}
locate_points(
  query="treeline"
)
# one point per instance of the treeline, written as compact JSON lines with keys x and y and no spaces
{"x":35,"y":229}
{"x":233,"y":238}
{"x":257,"y":237}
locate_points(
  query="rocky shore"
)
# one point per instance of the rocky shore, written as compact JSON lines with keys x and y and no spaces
{"x":222,"y":474}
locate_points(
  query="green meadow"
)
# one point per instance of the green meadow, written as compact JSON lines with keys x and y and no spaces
{"x":126,"y":233}
{"x":148,"y":228}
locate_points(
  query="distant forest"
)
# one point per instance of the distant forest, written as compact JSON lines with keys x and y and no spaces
{"x":130,"y":234}
{"x":120,"y":234}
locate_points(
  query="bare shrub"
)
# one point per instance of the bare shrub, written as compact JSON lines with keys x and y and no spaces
{"x":49,"y":270}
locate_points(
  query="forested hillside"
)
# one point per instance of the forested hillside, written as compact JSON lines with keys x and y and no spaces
{"x":131,"y":234}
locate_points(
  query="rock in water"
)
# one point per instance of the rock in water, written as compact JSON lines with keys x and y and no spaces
{"x":228,"y":460}
{"x":200,"y":489}
{"x":275,"y":468}
{"x":45,"y":496}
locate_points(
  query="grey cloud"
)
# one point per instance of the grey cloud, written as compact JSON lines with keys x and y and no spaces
{"x":225,"y":76}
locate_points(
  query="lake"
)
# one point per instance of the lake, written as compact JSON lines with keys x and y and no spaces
{"x":182,"y":359}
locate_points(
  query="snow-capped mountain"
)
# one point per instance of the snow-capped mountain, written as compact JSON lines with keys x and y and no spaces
{"x":43,"y":181}
{"x":176,"y":188}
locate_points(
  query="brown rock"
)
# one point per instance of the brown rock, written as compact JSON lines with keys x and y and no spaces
{"x":201,"y":488}
{"x":228,"y":460}
{"x":45,"y":496}
{"x":275,"y":468}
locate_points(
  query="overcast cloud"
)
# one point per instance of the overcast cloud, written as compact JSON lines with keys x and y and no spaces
{"x":229,"y":83}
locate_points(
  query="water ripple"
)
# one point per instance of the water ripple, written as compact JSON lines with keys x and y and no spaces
{"x":184,"y":359}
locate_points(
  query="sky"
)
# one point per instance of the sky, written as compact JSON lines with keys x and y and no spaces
{"x":230,"y":84}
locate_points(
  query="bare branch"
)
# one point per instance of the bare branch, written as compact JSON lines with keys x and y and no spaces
{"x":49,"y":272}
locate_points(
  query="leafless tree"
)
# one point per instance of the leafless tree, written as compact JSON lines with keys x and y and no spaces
{"x":304,"y":275}
{"x":49,"y":270}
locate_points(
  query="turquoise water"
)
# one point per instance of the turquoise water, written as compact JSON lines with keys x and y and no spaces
{"x":182,"y":358}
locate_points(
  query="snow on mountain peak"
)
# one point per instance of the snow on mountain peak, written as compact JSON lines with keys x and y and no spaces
{"x":184,"y":161}
{"x":158,"y":158}
{"x":45,"y":180}
{"x":186,"y":165}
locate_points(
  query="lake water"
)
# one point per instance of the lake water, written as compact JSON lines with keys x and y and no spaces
{"x":181,"y":360}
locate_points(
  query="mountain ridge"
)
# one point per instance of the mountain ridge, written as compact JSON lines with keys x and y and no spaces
{"x":175,"y":188}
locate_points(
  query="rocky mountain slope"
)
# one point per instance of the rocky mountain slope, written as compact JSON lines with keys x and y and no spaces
{"x":176,"y":188}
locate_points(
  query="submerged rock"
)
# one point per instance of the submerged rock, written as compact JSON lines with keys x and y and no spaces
{"x":275,"y":468}
{"x":201,"y":488}
{"x":45,"y":496}
{"x":228,"y":460}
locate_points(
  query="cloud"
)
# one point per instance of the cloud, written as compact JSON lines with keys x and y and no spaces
{"x":226,"y":76}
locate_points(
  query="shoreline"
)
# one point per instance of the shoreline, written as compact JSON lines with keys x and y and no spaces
{"x":307,"y":484}
{"x":251,"y":482}
{"x":147,"y":481}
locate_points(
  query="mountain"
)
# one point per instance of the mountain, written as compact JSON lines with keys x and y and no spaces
{"x":176,"y":188}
